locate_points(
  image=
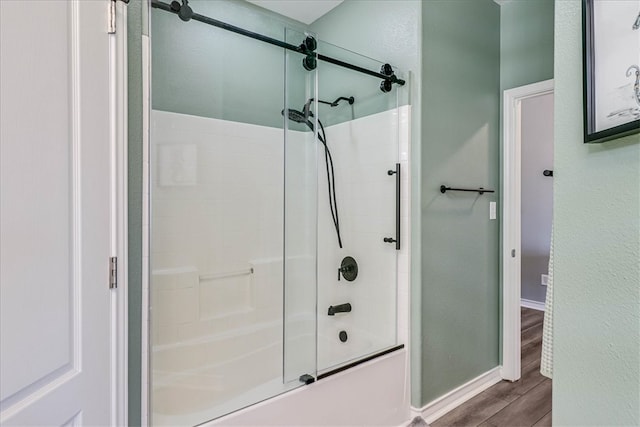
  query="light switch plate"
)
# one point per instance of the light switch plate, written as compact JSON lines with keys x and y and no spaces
{"x":544,"y":279}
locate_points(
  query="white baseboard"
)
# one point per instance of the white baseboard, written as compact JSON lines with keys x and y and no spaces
{"x":437,"y":408}
{"x":535,"y":305}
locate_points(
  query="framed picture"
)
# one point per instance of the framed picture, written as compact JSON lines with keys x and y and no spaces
{"x":611,"y":67}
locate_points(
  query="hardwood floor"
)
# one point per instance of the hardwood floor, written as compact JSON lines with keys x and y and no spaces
{"x":526,"y":402}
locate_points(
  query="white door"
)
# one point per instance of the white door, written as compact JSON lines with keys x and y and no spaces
{"x":55,"y":315}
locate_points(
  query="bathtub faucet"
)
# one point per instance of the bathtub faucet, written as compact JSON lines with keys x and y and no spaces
{"x":342,"y":308}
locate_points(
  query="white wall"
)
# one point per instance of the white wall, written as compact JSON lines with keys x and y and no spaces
{"x":537,"y":193}
{"x":217,"y":278}
{"x":217,"y":207}
{"x":363,"y":150}
{"x":216,"y":266}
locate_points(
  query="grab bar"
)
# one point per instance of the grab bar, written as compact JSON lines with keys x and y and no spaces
{"x":215,"y":276}
{"x":444,"y":189}
{"x":398,"y":178}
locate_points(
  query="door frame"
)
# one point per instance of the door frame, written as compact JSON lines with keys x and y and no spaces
{"x":118,"y":124}
{"x":511,"y":222}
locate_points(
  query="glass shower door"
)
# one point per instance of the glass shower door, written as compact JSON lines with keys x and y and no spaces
{"x":300,"y":218}
{"x":225,"y":333}
{"x":356,"y":312}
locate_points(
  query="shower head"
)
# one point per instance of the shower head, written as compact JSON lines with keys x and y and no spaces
{"x":299,"y":117}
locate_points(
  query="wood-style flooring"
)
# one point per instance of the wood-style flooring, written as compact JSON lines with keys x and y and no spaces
{"x":526,"y":402}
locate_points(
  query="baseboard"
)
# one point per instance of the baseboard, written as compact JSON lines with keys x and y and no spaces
{"x":535,"y":305}
{"x":437,"y":408}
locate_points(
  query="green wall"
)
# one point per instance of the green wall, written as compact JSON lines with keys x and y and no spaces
{"x":209,"y":72}
{"x":596,"y":255}
{"x":526,"y":42}
{"x":460,"y":147}
{"x":388,"y":34}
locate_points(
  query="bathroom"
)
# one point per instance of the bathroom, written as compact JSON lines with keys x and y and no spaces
{"x":254,"y":227}
{"x":244,"y":249}
{"x":222,"y":212}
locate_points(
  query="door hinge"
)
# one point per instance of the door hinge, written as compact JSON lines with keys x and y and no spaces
{"x":113,"y":272}
{"x":111,"y":25}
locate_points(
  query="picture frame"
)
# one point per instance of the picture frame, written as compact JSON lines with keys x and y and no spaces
{"x":611,"y":69}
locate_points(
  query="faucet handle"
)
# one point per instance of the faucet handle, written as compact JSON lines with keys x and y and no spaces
{"x":348,"y":269}
{"x":344,"y":269}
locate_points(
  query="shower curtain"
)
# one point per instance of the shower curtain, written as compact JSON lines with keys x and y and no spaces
{"x":546,"y":361}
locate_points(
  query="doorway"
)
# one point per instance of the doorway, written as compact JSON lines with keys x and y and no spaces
{"x":527,"y":210}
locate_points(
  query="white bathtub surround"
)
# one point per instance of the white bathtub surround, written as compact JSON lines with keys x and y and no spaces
{"x":363,"y":150}
{"x":217,"y":266}
{"x":218,"y":333}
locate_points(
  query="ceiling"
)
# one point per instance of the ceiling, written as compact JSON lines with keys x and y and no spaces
{"x":305,"y":11}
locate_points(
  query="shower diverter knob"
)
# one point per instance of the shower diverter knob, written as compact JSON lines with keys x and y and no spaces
{"x":348,"y":269}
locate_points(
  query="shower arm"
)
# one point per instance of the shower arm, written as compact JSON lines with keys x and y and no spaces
{"x":335,"y":103}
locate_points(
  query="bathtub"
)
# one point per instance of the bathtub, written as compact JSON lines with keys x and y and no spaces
{"x":205,"y":378}
{"x":375,"y":393}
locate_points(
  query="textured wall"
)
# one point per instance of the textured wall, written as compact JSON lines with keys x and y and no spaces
{"x":596,"y":252}
{"x":526,"y":42}
{"x":460,"y":147}
{"x":389,"y":33}
{"x":209,"y":72}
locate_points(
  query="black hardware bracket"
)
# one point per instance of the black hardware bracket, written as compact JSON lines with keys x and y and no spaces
{"x":306,"y":379}
{"x":547,"y":172}
{"x":444,"y":189}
